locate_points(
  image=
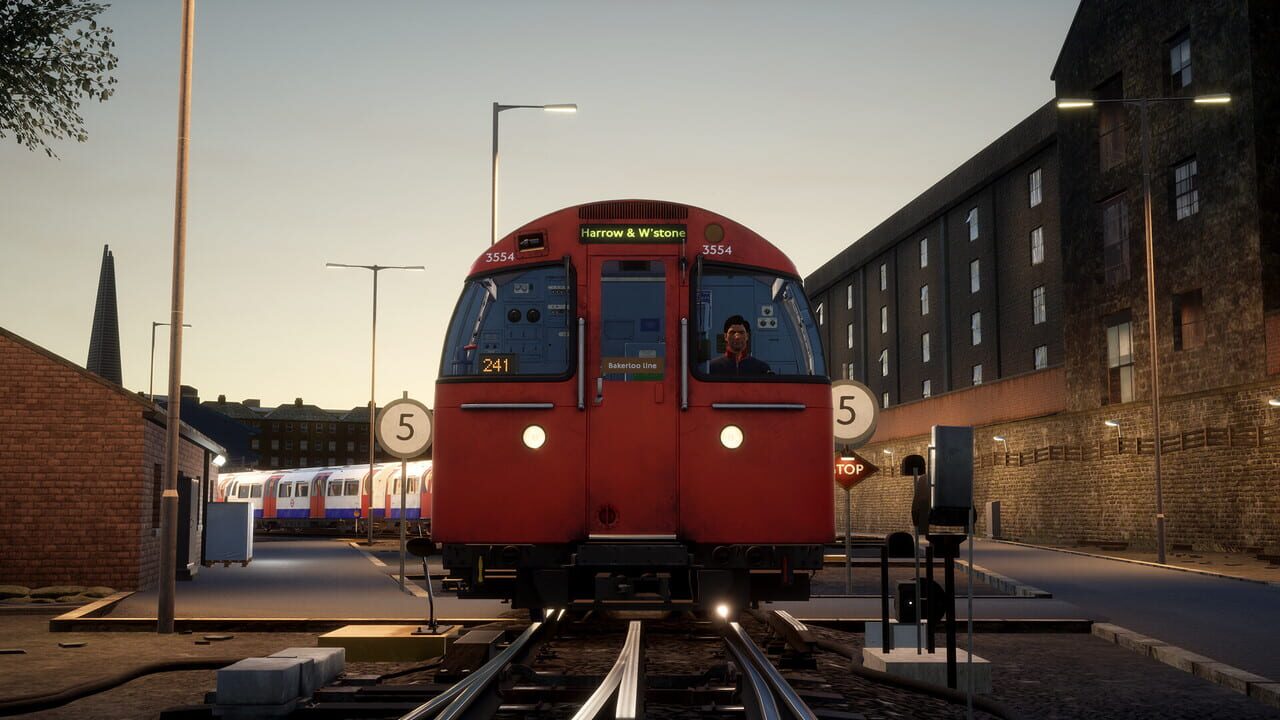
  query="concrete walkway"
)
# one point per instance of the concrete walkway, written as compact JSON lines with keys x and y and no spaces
{"x":1226,"y":619}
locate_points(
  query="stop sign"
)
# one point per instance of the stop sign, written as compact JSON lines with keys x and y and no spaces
{"x":850,"y":471}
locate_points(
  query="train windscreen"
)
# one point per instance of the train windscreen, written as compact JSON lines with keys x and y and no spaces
{"x":512,"y":324}
{"x":782,"y":331}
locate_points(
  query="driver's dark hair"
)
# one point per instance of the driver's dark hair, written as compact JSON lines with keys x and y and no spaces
{"x":737,"y":320}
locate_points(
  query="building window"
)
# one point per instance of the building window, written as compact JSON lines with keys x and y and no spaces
{"x":275,"y":427}
{"x":333,"y":427}
{"x":926,"y":388}
{"x":275,"y":461}
{"x":975,"y":279}
{"x":302,"y":461}
{"x":302,"y":444}
{"x":884,"y":363}
{"x":977,"y":374}
{"x":288,"y":427}
{"x":288,"y":444}
{"x":1115,"y":240}
{"x":975,"y":328}
{"x":332,"y":447}
{"x":884,"y":399}
{"x":275,"y":444}
{"x":848,"y":371}
{"x":1042,"y":357}
{"x":333,"y":460}
{"x":1186,"y":190}
{"x":1037,"y":306}
{"x":924,"y":347}
{"x":972,"y":221}
{"x":1188,"y":320}
{"x":351,"y":446}
{"x":848,"y":296}
{"x":884,"y":277}
{"x":848,"y":333}
{"x":1180,"y":61}
{"x":818,"y":311}
{"x":1111,"y":119}
{"x":884,"y":319}
{"x":253,"y":444}
{"x":1037,"y":246}
{"x":924,"y":299}
{"x":924,"y":252}
{"x":1120,"y":360}
{"x":1034,"y":184}
{"x":302,"y":427}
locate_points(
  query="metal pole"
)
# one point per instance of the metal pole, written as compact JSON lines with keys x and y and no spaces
{"x":493,"y":182}
{"x":1151,"y":323}
{"x":404,"y":481}
{"x":848,"y":546}
{"x":151,"y":381}
{"x":169,"y":498}
{"x":373,"y":374}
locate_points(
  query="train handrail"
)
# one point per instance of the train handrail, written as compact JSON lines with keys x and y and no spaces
{"x":684,"y":363}
{"x":582,"y":363}
{"x":509,"y":406}
{"x":758,"y":406}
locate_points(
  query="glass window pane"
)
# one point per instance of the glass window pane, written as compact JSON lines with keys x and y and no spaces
{"x":633,"y":301}
{"x":784,"y":335}
{"x":514,"y":323}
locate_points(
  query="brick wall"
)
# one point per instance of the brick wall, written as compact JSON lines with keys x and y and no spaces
{"x":1068,"y":478}
{"x":76,"y":470}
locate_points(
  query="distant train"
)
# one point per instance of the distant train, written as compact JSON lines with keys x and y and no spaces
{"x":337,"y":497}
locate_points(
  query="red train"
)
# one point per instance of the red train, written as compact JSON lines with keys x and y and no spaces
{"x":609,"y":434}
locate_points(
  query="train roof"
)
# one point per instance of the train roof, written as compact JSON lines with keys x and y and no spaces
{"x":570,"y":230}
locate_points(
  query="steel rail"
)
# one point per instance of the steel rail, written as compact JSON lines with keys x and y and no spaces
{"x":789,"y":696}
{"x":754,"y":684}
{"x":623,"y":679}
{"x":457,"y":699}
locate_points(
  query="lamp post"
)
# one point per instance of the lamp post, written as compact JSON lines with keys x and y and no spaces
{"x":373,"y":366}
{"x":1143,"y":103}
{"x":151,"y":382}
{"x":493,"y":176}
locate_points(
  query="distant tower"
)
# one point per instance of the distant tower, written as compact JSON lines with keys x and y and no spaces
{"x":104,"y":342}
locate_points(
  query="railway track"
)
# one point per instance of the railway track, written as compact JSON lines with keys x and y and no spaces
{"x":578,"y":671}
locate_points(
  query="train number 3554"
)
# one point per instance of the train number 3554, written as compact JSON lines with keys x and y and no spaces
{"x":499,"y":257}
{"x":717,"y":249}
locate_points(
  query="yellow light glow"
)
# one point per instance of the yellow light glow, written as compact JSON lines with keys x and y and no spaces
{"x":731,"y":437}
{"x":1221,"y":99}
{"x":722,"y":610}
{"x":534,"y":437}
{"x":1068,"y":103}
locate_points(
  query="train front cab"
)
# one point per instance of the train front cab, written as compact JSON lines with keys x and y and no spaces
{"x":642,"y":480}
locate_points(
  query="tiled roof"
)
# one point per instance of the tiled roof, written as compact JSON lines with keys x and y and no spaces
{"x":233,"y":410}
{"x":303,"y":413}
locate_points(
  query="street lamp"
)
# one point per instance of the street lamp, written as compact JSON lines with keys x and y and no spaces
{"x":1142,"y":103}
{"x":493,"y":177}
{"x":373,"y":365}
{"x":151,"y":383}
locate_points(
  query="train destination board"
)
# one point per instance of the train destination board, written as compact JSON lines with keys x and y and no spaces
{"x":643,"y":233}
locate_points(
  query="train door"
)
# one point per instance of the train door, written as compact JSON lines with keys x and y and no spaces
{"x":633,"y":365}
{"x":318,"y":496}
{"x":269,"y":496}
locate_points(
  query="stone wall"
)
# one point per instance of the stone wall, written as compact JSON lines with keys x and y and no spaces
{"x":1068,"y":478}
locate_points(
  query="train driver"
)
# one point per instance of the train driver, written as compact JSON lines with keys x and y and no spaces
{"x":737,"y":358}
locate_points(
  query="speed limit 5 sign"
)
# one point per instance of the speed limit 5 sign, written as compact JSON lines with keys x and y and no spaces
{"x":404,"y":428}
{"x":854,"y":412}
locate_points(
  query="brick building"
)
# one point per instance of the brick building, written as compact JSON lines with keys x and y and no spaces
{"x":81,"y":463}
{"x":298,"y":434}
{"x":1040,"y":352}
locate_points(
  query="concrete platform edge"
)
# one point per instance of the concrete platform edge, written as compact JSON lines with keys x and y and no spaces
{"x":291,"y":625}
{"x":1148,"y":563}
{"x":1259,"y":688}
{"x":980,"y":625}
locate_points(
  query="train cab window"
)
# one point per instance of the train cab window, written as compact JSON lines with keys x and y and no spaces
{"x":633,"y":320}
{"x":783,"y":333}
{"x":352,"y":487}
{"x":255,"y":491}
{"x":335,"y":488}
{"x":512,"y":324}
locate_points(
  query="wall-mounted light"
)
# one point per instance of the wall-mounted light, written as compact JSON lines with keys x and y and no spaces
{"x":1274,"y":402}
{"x":219,"y":461}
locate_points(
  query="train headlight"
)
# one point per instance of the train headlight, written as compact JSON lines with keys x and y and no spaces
{"x":731,"y":437}
{"x":534,"y":437}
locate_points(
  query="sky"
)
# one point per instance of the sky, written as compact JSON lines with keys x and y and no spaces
{"x":326,"y":131}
